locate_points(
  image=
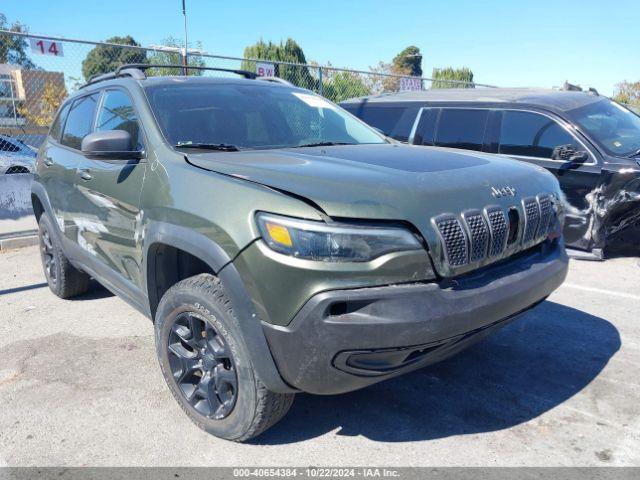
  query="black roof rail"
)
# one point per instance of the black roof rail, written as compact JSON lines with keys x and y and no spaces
{"x":101,"y":77}
{"x":145,"y":66}
{"x":136,"y":71}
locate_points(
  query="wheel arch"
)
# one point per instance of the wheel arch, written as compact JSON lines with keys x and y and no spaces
{"x":163,"y":239}
{"x":38,"y":208}
{"x":41,"y":204}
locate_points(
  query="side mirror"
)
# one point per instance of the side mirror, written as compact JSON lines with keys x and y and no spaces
{"x":110,"y":145}
{"x":568,"y":153}
{"x":579,"y":157}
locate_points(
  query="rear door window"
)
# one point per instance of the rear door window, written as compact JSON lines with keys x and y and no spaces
{"x":426,"y":129}
{"x":79,"y":121}
{"x":532,"y":135}
{"x":56,"y":127}
{"x":461,"y":128}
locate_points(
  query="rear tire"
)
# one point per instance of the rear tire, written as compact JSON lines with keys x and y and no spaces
{"x":64,"y":279}
{"x":207,"y":365}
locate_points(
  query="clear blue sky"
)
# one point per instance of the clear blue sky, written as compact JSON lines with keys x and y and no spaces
{"x":507,"y":43}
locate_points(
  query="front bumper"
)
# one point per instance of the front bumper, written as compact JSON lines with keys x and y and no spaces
{"x":343,"y":340}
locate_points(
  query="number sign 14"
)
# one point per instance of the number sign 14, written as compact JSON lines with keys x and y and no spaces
{"x":46,"y":47}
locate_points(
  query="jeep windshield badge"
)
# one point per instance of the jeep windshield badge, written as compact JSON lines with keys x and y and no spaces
{"x":499,"y":192}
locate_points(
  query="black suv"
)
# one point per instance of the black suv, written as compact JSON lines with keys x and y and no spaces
{"x":590,"y":143}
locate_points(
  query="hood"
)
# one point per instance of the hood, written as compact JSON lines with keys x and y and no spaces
{"x":386,"y":182}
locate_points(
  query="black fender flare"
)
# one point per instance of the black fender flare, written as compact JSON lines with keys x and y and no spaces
{"x":38,"y":191}
{"x":221,"y":264}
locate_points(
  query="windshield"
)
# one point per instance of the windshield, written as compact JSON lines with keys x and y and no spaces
{"x":252,"y":116}
{"x":613,"y":127}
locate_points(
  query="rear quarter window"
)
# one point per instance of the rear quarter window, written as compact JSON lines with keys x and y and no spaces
{"x":395,"y":122}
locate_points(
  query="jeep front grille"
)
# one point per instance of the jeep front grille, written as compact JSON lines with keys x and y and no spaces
{"x":475,"y":236}
{"x":499,"y":230}
{"x":546,"y":215}
{"x":478,"y":235}
{"x":531,"y":219}
{"x":454,"y":240}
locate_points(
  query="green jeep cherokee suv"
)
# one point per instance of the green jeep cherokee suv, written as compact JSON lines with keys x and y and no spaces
{"x":281,"y":245}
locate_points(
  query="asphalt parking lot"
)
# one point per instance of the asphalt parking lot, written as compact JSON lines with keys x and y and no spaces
{"x":80,"y":385}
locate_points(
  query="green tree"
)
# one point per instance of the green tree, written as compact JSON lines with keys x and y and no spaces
{"x":42,"y":109}
{"x":289,"y":51}
{"x":174,"y":57}
{"x":338,"y":85}
{"x":13,"y":48}
{"x":408,"y":62}
{"x":106,"y":58}
{"x":442,"y":78}
{"x":628,"y":93}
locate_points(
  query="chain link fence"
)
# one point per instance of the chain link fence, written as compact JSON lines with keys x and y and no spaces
{"x":31,"y":92}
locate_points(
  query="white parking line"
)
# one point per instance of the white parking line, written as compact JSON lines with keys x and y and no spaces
{"x":602,"y":291}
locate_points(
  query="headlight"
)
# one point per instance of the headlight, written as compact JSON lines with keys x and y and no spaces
{"x":332,"y":243}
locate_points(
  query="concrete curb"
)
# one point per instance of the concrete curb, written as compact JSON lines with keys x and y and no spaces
{"x":18,"y":240}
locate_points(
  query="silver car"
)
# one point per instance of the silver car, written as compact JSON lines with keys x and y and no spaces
{"x":16,"y":156}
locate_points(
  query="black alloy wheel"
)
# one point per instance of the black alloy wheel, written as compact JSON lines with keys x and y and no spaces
{"x":202,"y":365}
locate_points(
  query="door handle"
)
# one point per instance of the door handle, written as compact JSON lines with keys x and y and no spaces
{"x":85,"y":175}
{"x":48,"y":162}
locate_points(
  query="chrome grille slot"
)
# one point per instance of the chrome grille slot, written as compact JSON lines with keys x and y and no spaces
{"x":546,"y":215}
{"x":499,"y":229}
{"x":478,"y":235}
{"x":454,"y":240}
{"x":531,"y":219}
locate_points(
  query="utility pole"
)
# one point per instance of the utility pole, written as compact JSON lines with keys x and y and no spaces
{"x":185,"y":62}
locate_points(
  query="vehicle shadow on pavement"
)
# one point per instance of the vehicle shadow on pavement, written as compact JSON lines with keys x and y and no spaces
{"x":23,"y":288}
{"x":519,"y":373}
{"x":96,"y":291}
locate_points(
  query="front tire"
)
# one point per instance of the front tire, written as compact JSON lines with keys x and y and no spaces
{"x":63,"y":279}
{"x":207,"y":365}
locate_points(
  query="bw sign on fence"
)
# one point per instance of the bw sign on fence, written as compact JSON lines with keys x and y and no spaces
{"x":264,"y":69}
{"x":46,"y":47}
{"x":410,"y":84}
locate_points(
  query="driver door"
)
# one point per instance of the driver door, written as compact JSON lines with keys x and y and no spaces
{"x":109,"y":218}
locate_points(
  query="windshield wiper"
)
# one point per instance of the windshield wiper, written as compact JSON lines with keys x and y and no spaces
{"x":323,"y":144}
{"x":224,"y":147}
{"x":635,"y":154}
